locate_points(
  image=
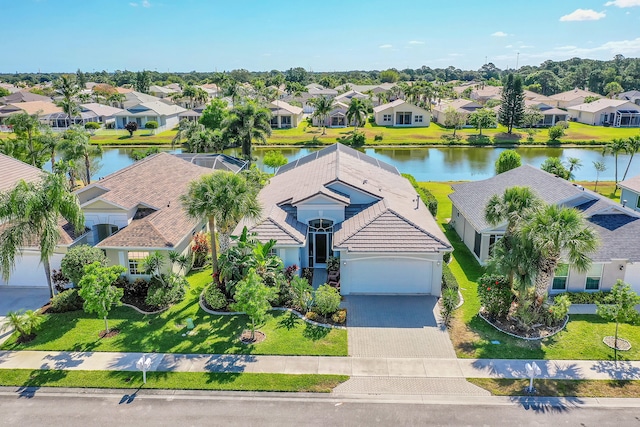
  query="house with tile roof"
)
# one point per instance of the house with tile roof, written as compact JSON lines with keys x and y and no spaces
{"x":607,"y":112}
{"x":341,"y":202}
{"x":401,"y":113}
{"x":166,"y":115}
{"x":28,"y":270}
{"x":136,"y":211}
{"x":617,"y":226}
{"x":40,"y":108}
{"x":460,"y":105}
{"x":572,"y":97}
{"x":284,"y":115}
{"x":337,"y":117}
{"x":630,"y":95}
{"x":630,"y":195}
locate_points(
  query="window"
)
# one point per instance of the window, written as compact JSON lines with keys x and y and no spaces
{"x":594,"y":275}
{"x":274,"y":122}
{"x":403,"y":118}
{"x":638,"y":204}
{"x":135,"y":262}
{"x":417,"y":119}
{"x":561,"y":277}
{"x":386,"y":118}
{"x":493,"y":238}
{"x":285,"y":121}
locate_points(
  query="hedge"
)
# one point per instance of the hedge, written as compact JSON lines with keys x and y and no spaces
{"x":428,"y":199}
{"x":448,"y":279}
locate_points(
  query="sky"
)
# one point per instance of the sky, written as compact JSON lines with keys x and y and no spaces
{"x":324,"y":35}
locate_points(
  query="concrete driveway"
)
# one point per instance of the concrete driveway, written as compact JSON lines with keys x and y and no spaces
{"x":396,"y":326}
{"x":17,"y":298}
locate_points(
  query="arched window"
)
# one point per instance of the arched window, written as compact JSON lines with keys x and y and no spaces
{"x":325,"y":225}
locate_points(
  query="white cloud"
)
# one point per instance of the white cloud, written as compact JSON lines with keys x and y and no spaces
{"x":623,"y":3}
{"x":583,"y":15}
{"x":526,"y":46}
{"x":146,"y":3}
{"x":385,"y":46}
{"x":133,"y":4}
{"x":416,"y":42}
{"x":509,"y":46}
{"x":499,"y":34}
{"x":455,"y":54}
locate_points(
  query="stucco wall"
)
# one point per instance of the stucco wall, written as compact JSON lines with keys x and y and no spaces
{"x":631,"y":198}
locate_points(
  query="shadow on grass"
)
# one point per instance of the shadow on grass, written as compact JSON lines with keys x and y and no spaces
{"x":125,"y":137}
{"x":315,"y":333}
{"x":289,"y":322}
{"x":37,"y":379}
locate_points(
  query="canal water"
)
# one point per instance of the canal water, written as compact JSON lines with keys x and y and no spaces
{"x":436,"y":163}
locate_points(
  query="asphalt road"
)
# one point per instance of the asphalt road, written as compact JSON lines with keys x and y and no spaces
{"x":44,"y":408}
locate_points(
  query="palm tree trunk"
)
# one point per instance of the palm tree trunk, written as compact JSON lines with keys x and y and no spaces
{"x":546,"y":269}
{"x":47,"y":273}
{"x":628,"y":164}
{"x":106,"y":324}
{"x":214,"y":250}
{"x":225,"y":241}
{"x":87,"y":165}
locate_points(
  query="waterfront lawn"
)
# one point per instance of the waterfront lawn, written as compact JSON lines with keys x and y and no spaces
{"x":560,"y":388}
{"x":167,"y":333}
{"x":472,"y":337}
{"x":171,"y":380}
{"x":140,"y":137}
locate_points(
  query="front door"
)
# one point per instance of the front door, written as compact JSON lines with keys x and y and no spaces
{"x":321,"y":253}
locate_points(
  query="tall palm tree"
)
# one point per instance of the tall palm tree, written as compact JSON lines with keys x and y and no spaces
{"x":50,"y":141}
{"x":117,"y":98}
{"x":615,"y":147}
{"x":573,"y":163}
{"x":557,"y":231}
{"x":323,"y":106}
{"x":599,"y":167}
{"x":224,"y":198}
{"x":186,"y":128}
{"x":357,"y":112}
{"x":31,"y":211}
{"x":27,"y":127}
{"x":633,"y":146}
{"x":247,"y":123}
{"x":69,"y":89}
{"x":76,"y":146}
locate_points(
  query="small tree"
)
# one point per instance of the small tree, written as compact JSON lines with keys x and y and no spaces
{"x":326,"y":300}
{"x":303,"y":293}
{"x":620,"y":306}
{"x":508,"y":159}
{"x":131,"y":127}
{"x":532,"y":116}
{"x":73,"y":263}
{"x":213,"y":116}
{"x":455,"y":119}
{"x":152,"y":125}
{"x":556,"y":132}
{"x":252,"y":296}
{"x":25,"y":324}
{"x":554,"y":166}
{"x":96,"y":287}
{"x":482,"y":118}
{"x":274,"y":159}
{"x":599,"y":167}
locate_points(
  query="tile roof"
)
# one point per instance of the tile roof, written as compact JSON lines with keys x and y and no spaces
{"x":14,"y":170}
{"x":394,"y":212}
{"x":632,"y":184}
{"x":23,"y":96}
{"x":281,"y":107}
{"x":157,"y":107}
{"x":37,"y":107}
{"x":573,"y":94}
{"x":601,"y":104}
{"x":155,"y":182}
{"x":101,"y":109}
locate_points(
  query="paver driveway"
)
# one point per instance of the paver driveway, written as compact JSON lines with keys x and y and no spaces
{"x":396,"y":326}
{"x":17,"y":298}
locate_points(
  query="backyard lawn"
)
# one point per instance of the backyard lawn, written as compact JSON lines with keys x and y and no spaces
{"x":472,"y":337}
{"x":167,"y":332}
{"x":140,"y":137}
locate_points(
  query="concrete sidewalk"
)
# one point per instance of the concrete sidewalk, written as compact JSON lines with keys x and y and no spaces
{"x":352,"y":366}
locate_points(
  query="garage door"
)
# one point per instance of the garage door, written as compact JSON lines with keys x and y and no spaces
{"x":29,"y":271}
{"x":387,"y":276}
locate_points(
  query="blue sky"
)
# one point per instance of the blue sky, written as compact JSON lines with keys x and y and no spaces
{"x":324,"y":35}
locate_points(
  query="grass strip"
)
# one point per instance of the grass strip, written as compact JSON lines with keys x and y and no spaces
{"x":560,"y":388}
{"x":171,"y":380}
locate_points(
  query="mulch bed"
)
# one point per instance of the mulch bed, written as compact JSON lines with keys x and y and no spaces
{"x":539,"y":331}
{"x":112,"y":333}
{"x":139,"y":302}
{"x":23,"y":339}
{"x":623,"y":345}
{"x":245,"y":337}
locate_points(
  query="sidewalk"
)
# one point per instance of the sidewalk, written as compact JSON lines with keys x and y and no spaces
{"x":352,"y":366}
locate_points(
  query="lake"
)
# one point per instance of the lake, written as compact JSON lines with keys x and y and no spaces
{"x":436,"y":163}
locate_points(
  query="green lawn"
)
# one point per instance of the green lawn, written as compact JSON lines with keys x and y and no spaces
{"x":472,"y":336}
{"x":163,"y":333}
{"x":140,"y":137}
{"x":560,"y":388}
{"x":171,"y":380}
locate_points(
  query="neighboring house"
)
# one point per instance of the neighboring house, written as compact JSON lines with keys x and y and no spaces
{"x":105,"y":113}
{"x":41,"y":108}
{"x":28,"y":271}
{"x":215,"y":161}
{"x":349,"y":95}
{"x":337,"y":117}
{"x":341,"y":202}
{"x":23,"y":96}
{"x":284,"y":115}
{"x":538,"y":98}
{"x":483,"y":93}
{"x":607,"y":112}
{"x":401,"y":113}
{"x":382,"y":87}
{"x":630,"y":195}
{"x":550,"y":115}
{"x":617,"y":257}
{"x":60,"y":121}
{"x":165,"y":114}
{"x":161,"y":91}
{"x":136,"y":211}
{"x":11,"y":88}
{"x":133,"y":98}
{"x":573,"y":97}
{"x":460,"y":105}
{"x":631,"y":96}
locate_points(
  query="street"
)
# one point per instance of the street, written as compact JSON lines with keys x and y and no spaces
{"x":110,"y":408}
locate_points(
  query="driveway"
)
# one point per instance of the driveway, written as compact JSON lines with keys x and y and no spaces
{"x":396,"y":326}
{"x":17,"y":298}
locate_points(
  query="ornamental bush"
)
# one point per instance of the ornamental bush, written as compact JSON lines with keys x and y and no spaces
{"x":74,"y":261}
{"x":163,"y":293}
{"x":66,"y":301}
{"x":214,"y":297}
{"x":558,"y":310}
{"x":495,"y":295}
{"x":326,"y":300}
{"x":92,"y":125}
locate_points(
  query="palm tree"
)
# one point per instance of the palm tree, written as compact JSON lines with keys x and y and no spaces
{"x":615,"y":147}
{"x":68,"y":88}
{"x":557,"y":231}
{"x":600,"y":167}
{"x":357,"y":112}
{"x":247,"y":123}
{"x":323,"y":106}
{"x":633,"y":146}
{"x":31,"y":211}
{"x":186,"y":128}
{"x":117,"y":98}
{"x":573,"y":163}
{"x":50,"y":142}
{"x":76,"y":146}
{"x":27,"y":127}
{"x":25,"y":324}
{"x":224,"y":198}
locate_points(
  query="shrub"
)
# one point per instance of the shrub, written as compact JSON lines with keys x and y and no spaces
{"x":66,"y":301}
{"x":77,"y":258}
{"x":326,"y":300}
{"x":167,"y":292}
{"x":286,"y":294}
{"x":446,"y":257}
{"x":556,"y":132}
{"x":427,"y":198}
{"x":339,"y":317}
{"x":333,"y":263}
{"x":449,"y":303}
{"x":558,"y":310}
{"x":25,"y":323}
{"x":378,"y":137}
{"x":290,"y":272}
{"x":495,"y":295}
{"x":200,"y":248}
{"x":586,"y":297}
{"x":214,"y":297}
{"x":448,"y":279}
{"x":59,"y":280}
{"x":563,"y":124}
{"x":313,"y":316}
{"x":92,"y":125}
{"x":139,"y":288}
{"x":307,"y":273}
{"x":301,"y":293}
{"x":151,"y":124}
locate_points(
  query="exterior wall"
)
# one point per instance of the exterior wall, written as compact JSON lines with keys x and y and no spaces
{"x":320,"y":207}
{"x":120,"y":257}
{"x":295,"y":120}
{"x":632,"y":275}
{"x":415,"y":111}
{"x":29,"y":271}
{"x":106,"y":215}
{"x":632,"y":199}
{"x":610,"y":274}
{"x":290,"y":255}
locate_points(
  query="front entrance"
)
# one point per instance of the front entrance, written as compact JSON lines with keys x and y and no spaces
{"x":320,"y":234}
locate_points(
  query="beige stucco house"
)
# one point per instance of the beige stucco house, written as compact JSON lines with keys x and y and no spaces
{"x":572,"y":97}
{"x":401,"y":113}
{"x":607,"y":112}
{"x":285,"y":115}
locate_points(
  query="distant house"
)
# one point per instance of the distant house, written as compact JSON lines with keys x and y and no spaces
{"x":284,"y":115}
{"x":630,"y":196}
{"x":631,"y":96}
{"x":617,"y":257}
{"x":41,"y":108}
{"x":483,"y":93}
{"x":105,"y":113}
{"x":401,"y":113}
{"x":550,"y":115}
{"x":337,"y":117}
{"x":536,"y":97}
{"x":349,"y":95}
{"x":166,"y":115}
{"x":607,"y":112}
{"x":572,"y":97}
{"x":23,"y":96}
{"x":161,"y":91}
{"x":460,"y":105}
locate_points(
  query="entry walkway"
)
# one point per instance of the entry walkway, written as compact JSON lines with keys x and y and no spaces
{"x":352,"y":366}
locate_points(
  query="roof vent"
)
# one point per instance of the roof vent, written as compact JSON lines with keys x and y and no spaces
{"x":417,"y":201}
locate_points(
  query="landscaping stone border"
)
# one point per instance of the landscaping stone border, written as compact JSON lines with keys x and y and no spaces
{"x":564,"y":325}
{"x":145,"y":312}
{"x":290,"y":310}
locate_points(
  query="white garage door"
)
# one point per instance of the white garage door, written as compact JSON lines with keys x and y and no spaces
{"x":387,"y":276}
{"x":29,"y":271}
